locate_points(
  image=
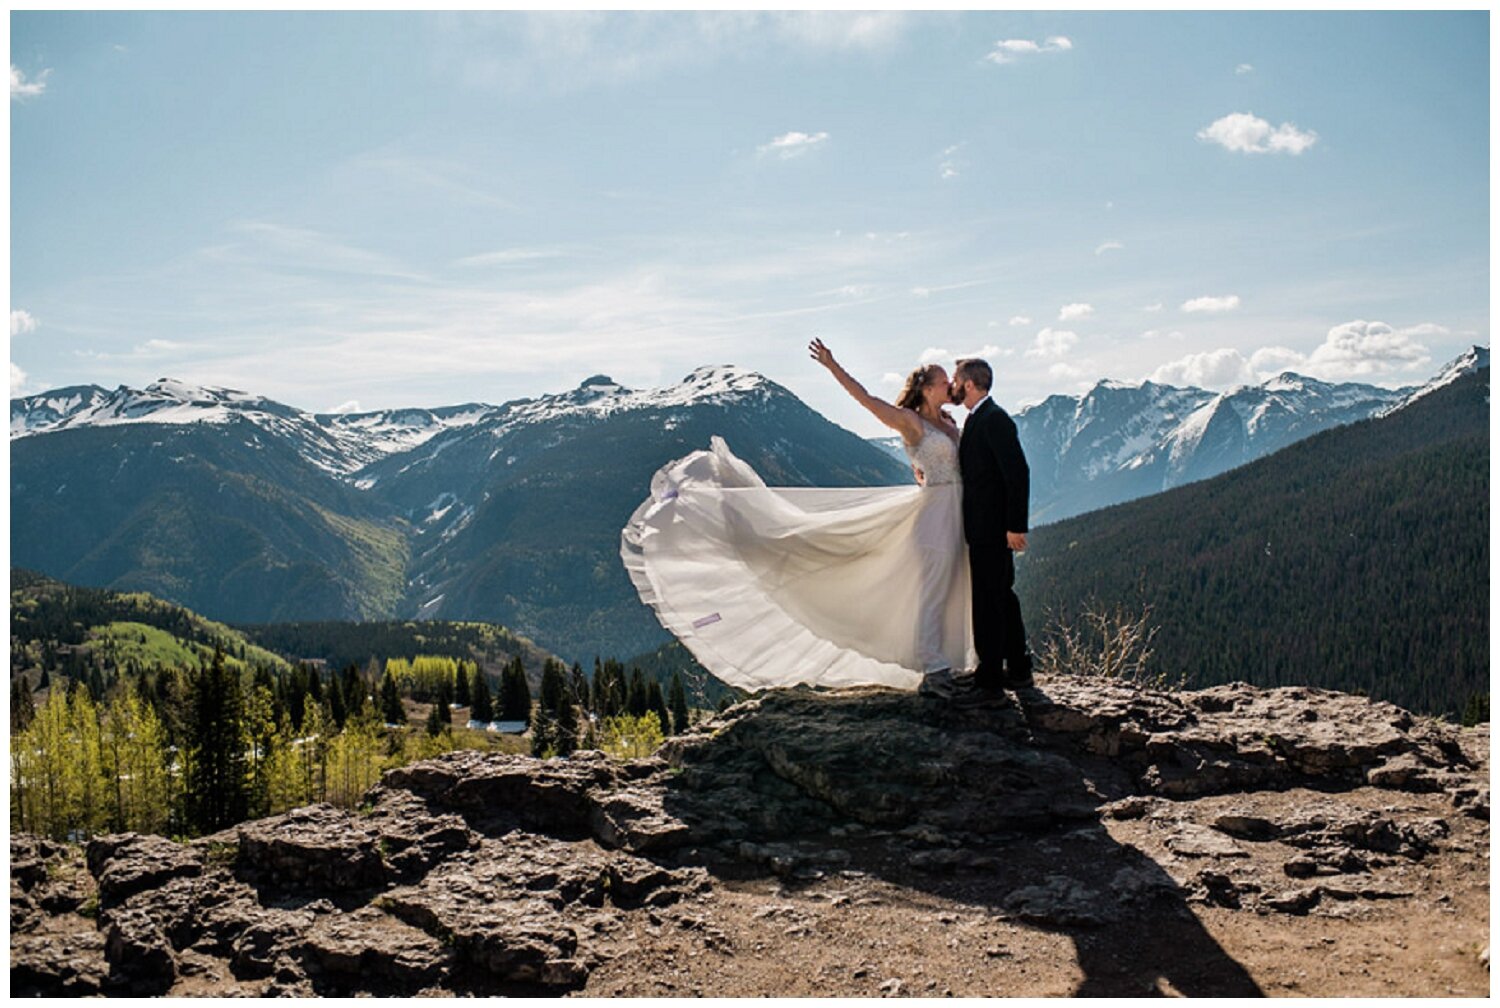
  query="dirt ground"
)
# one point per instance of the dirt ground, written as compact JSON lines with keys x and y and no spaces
{"x":877,"y":927}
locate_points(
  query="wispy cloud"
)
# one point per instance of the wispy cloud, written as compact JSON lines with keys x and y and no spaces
{"x":793,"y":144}
{"x":22,"y":321}
{"x":1053,"y":343}
{"x":1244,"y":68}
{"x":1154,"y":307}
{"x":950,"y":166}
{"x":571,"y":50}
{"x":1244,"y":132}
{"x":1009,"y":50}
{"x":1069,"y":312}
{"x":1108,"y":246}
{"x":17,"y":380}
{"x":509,"y":257}
{"x":351,"y":406}
{"x":1020,"y":320}
{"x":21,"y":88}
{"x":1212,"y":304}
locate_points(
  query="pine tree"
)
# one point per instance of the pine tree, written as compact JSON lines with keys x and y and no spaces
{"x":22,"y":707}
{"x":481,"y":707}
{"x":658,"y":706}
{"x":336,"y":709}
{"x":515,"y":702}
{"x":557,"y":707}
{"x":580,"y":687}
{"x":541,"y":735}
{"x":390,"y":701}
{"x":681,"y":719}
{"x":442,"y":703}
{"x":436,"y":722}
{"x":637,"y":700}
{"x":216,"y":786}
{"x":461,"y":686}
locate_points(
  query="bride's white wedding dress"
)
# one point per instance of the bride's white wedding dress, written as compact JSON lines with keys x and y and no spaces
{"x":772,"y":586}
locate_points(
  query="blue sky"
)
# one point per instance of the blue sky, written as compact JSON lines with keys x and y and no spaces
{"x":391,"y":209}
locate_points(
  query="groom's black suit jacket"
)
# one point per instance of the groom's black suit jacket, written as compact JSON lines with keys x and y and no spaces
{"x":997,"y":481}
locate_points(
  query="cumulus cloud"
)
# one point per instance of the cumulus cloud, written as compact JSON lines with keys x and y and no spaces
{"x":1351,"y":351}
{"x":352,"y":406}
{"x":1363,"y":349}
{"x":1244,"y":68}
{"x":1017,"y":320}
{"x":1053,"y":343}
{"x":22,"y":321}
{"x":1214,"y":369}
{"x":1079,"y":310}
{"x":1010,"y":50}
{"x":793,"y":144}
{"x":1104,"y":247}
{"x":1246,"y":133}
{"x":21,"y":88}
{"x":17,"y":380}
{"x":1212,"y":304}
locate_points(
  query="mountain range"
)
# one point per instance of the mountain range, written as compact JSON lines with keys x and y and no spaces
{"x":1356,"y":559}
{"x":252,"y":511}
{"x":1118,"y":442}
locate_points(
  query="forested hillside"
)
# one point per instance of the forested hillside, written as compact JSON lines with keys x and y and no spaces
{"x":1356,"y":560}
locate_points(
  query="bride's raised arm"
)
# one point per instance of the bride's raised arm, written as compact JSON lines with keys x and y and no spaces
{"x":901,"y":420}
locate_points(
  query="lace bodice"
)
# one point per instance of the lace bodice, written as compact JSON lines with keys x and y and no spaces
{"x":936,"y":455}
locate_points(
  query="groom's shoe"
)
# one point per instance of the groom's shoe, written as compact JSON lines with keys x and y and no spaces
{"x":1018,"y":675}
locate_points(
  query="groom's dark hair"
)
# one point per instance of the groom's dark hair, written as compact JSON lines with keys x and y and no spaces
{"x":975,"y":370}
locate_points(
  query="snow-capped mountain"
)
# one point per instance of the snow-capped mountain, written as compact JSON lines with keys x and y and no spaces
{"x":1118,"y":441}
{"x":252,"y":510}
{"x":337,"y":442}
{"x":1473,"y":359}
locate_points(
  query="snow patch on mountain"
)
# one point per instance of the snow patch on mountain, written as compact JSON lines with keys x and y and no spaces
{"x":1473,"y":359}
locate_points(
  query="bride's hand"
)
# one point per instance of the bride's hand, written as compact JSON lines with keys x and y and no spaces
{"x":821,"y":353}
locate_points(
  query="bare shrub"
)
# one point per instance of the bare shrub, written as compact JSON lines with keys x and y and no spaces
{"x":1107,"y":643}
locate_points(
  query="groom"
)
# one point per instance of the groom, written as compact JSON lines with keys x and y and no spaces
{"x":997,"y":485}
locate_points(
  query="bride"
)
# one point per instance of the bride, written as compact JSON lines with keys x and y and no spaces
{"x":774,"y":586}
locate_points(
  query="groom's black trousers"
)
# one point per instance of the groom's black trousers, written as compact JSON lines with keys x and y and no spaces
{"x":999,"y":634}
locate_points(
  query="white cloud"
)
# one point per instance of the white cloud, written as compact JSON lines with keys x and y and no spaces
{"x":1153,"y":307}
{"x":1079,"y":310}
{"x":1214,"y":369}
{"x":17,"y":380}
{"x":950,"y":166}
{"x":869,"y":30}
{"x":1053,"y":343}
{"x":21,"y":88}
{"x":158,"y":345}
{"x":851,"y":290}
{"x":934,"y":355}
{"x":1212,"y":304}
{"x":1361,"y":349}
{"x":1270,"y":361}
{"x":1351,"y":351}
{"x":22,"y":321}
{"x":1009,"y":50}
{"x":352,"y":406}
{"x":1248,"y":134}
{"x":508,"y":257}
{"x":892,"y":378}
{"x":1104,"y":247}
{"x":1064,"y":370}
{"x":1244,"y":68}
{"x":793,"y":144}
{"x":1152,"y":334}
{"x":921,"y":291}
{"x":1019,"y":320}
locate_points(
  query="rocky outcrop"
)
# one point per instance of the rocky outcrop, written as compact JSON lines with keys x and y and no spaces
{"x":488,"y":873}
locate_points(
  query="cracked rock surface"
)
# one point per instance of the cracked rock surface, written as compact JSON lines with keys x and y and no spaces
{"x":1083,"y":838}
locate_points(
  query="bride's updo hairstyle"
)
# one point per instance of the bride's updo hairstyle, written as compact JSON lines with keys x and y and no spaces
{"x":911,"y":393}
